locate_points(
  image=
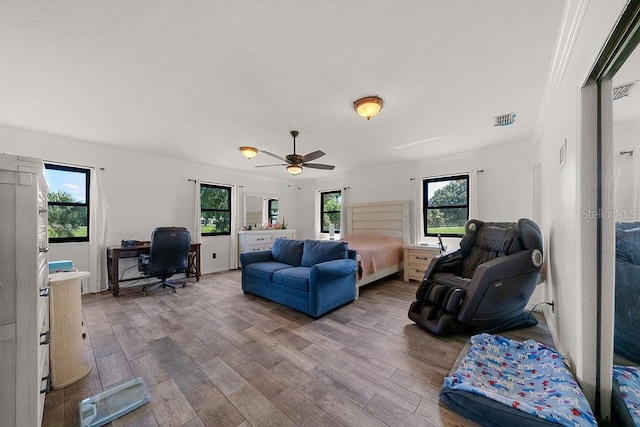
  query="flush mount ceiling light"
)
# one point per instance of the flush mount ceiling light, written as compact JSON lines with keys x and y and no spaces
{"x":294,"y":169}
{"x":368,"y":107}
{"x":249,"y":152}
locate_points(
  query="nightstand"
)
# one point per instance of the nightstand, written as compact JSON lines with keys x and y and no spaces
{"x":416,"y":260}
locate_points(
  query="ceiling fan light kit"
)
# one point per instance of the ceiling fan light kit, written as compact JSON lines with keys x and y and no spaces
{"x":249,"y":152}
{"x":369,"y":106}
{"x":294,"y":169}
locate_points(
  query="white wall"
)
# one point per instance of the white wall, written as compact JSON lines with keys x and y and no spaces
{"x":573,"y":320}
{"x":145,"y":191}
{"x":504,"y":190}
{"x":627,"y":190}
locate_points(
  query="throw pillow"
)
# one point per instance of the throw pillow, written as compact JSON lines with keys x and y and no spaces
{"x":287,"y":251}
{"x":317,"y":251}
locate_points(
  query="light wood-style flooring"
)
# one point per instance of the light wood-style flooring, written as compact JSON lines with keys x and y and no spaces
{"x":213,"y":356}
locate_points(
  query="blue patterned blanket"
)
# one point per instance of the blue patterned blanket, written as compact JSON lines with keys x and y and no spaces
{"x":528,"y":376}
{"x":628,"y":378}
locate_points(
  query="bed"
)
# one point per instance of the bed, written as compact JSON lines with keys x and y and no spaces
{"x":377,"y":231}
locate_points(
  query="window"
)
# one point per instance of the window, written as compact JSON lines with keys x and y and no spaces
{"x":445,"y":205}
{"x":215,"y":210}
{"x":68,"y":203}
{"x":273,"y":211}
{"x":330,"y":206}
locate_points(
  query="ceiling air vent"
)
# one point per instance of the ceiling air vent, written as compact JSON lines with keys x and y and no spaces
{"x":504,"y":119}
{"x":622,"y":90}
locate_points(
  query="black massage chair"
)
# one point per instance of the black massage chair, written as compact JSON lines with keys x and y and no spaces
{"x":485,"y":285}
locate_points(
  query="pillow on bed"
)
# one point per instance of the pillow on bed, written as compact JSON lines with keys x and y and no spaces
{"x":317,"y":251}
{"x":287,"y":251}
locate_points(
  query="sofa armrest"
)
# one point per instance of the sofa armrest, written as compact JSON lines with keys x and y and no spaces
{"x":332,"y":269}
{"x":247,"y":258}
{"x":331,"y":284}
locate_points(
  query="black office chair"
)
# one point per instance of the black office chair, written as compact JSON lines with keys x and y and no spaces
{"x":167,"y":255}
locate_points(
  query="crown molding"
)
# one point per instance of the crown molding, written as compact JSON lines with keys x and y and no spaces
{"x":572,"y":16}
{"x":92,"y":147}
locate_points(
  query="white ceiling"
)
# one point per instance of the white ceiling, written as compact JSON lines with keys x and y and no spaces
{"x":195,"y":80}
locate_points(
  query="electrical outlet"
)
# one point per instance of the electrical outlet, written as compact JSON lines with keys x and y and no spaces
{"x":214,"y":255}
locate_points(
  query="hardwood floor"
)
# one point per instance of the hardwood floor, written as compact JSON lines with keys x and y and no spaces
{"x":214,"y":356}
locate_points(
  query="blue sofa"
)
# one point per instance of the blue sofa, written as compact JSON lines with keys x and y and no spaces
{"x":311,"y":276}
{"x":627,"y":304}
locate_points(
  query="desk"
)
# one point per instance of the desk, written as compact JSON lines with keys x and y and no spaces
{"x":114,"y":254}
{"x":65,"y":325}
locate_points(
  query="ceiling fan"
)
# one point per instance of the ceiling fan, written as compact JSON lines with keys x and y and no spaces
{"x":295,"y":162}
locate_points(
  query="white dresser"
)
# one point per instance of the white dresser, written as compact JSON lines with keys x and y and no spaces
{"x":24,"y":292}
{"x":260,"y":240}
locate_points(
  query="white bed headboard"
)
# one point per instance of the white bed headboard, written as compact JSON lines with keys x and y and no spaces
{"x":381,"y":219}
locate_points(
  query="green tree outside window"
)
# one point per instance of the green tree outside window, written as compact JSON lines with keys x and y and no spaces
{"x":215,"y":210}
{"x":330,"y":207}
{"x":446,"y":205}
{"x":68,"y":203}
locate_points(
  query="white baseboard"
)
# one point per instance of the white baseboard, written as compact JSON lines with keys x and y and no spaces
{"x":215,"y":270}
{"x":549,"y":318}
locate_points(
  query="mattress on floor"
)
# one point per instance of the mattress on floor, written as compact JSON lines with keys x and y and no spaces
{"x":501,"y":382}
{"x":626,"y":393}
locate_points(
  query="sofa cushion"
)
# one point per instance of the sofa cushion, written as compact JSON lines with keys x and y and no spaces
{"x":263,"y":270}
{"x":317,"y":251}
{"x":295,"y":277}
{"x":287,"y":251}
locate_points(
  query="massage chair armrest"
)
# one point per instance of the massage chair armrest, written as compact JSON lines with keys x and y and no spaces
{"x":247,"y":258}
{"x":500,"y":268}
{"x":450,"y":262}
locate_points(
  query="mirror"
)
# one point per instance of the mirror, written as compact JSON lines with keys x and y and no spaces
{"x":260,"y":209}
{"x":626,"y":134}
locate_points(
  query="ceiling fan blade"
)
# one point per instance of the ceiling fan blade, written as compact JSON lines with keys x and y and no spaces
{"x":318,"y":166}
{"x":266,"y":166}
{"x":313,"y":156}
{"x":273,"y":155}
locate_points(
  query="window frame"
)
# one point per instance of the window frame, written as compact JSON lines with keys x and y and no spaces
{"x":322,"y":211}
{"x":86,"y":204}
{"x":206,"y":209}
{"x":426,"y":207}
